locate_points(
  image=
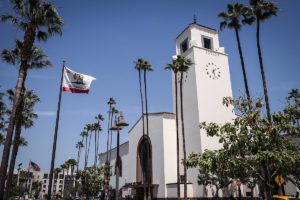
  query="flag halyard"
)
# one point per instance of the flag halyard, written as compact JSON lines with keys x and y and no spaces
{"x":75,"y":82}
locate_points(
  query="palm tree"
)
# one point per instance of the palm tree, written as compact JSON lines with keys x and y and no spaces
{"x":88,"y":128}
{"x":71,"y":163}
{"x":143,"y":65}
{"x":110,"y":102}
{"x":63,"y":168}
{"x":99,"y":118}
{"x":84,"y":135}
{"x":96,"y":129}
{"x":79,"y":146}
{"x":3,"y":110}
{"x":263,"y":10}
{"x":2,"y":139}
{"x":38,"y":19}
{"x":232,"y":20}
{"x":146,"y":67}
{"x":139,"y":64}
{"x":183,"y":67}
{"x":174,"y":67}
{"x":24,"y":119}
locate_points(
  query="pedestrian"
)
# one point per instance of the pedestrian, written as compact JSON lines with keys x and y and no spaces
{"x":297,"y":195}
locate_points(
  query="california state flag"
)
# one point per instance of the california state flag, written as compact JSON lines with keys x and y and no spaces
{"x":75,"y":82}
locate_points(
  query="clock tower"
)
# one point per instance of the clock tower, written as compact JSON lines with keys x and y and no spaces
{"x":205,"y":85}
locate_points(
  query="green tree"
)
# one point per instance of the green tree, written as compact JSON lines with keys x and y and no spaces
{"x":214,"y":169}
{"x":237,"y":13}
{"x":36,"y":188}
{"x":99,"y":118}
{"x":261,"y":11}
{"x":38,"y":20}
{"x":25,"y":118}
{"x":174,"y":68}
{"x":183,"y":67}
{"x":92,"y":180}
{"x":255,"y":144}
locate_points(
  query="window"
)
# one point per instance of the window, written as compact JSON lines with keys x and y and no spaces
{"x":184,"y":46}
{"x":207,"y":43}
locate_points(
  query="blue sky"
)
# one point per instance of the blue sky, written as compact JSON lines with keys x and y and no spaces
{"x":104,"y":38}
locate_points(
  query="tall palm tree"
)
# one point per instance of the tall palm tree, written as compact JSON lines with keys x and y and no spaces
{"x":146,"y":67}
{"x":79,"y":146}
{"x":263,"y":10}
{"x":139,"y":64}
{"x":39,"y":20}
{"x":236,"y":14}
{"x":24,"y":119}
{"x":99,"y":118}
{"x":88,"y":129}
{"x":110,"y":102}
{"x":96,"y":129}
{"x":143,"y":65}
{"x":183,"y":67}
{"x":3,"y":113}
{"x":63,"y":167}
{"x":84,"y":135}
{"x":174,"y":67}
{"x":2,"y":139}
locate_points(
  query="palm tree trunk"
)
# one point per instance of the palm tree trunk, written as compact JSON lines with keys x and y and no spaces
{"x":110,"y":145}
{"x":85,"y":152}
{"x":243,"y":64}
{"x":88,"y":152}
{"x":183,"y":137}
{"x":95,"y":161}
{"x":14,"y":155}
{"x":108,"y":131}
{"x":9,"y":135}
{"x":177,"y":134}
{"x":142,"y":101}
{"x":147,"y":131}
{"x":262,"y":71}
{"x":78,"y":156}
{"x":146,"y":102}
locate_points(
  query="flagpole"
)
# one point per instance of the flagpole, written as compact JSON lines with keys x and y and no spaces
{"x":55,"y":135}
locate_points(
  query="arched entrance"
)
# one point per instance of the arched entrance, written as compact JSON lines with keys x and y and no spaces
{"x":144,"y":166}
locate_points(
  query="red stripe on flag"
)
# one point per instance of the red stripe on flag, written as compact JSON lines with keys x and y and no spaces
{"x":75,"y":90}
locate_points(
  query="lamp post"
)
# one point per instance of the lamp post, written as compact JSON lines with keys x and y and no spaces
{"x":119,"y":124}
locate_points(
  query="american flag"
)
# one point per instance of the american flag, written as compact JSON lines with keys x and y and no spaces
{"x":34,"y":166}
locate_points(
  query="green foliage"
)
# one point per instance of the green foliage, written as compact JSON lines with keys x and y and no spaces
{"x":92,"y":180}
{"x":254,"y":150}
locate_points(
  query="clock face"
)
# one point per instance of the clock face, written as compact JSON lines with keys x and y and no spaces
{"x":212,"y":70}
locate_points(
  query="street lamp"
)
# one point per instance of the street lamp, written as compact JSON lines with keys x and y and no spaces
{"x":119,"y":124}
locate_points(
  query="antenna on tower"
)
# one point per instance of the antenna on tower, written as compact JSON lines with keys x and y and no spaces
{"x":195,"y":20}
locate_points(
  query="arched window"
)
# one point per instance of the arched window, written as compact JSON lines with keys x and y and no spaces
{"x":144,"y":161}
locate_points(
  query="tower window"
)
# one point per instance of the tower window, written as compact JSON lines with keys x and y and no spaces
{"x":184,"y":46}
{"x":207,"y":43}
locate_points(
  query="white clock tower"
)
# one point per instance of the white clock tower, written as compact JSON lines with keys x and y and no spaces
{"x":206,"y":83}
